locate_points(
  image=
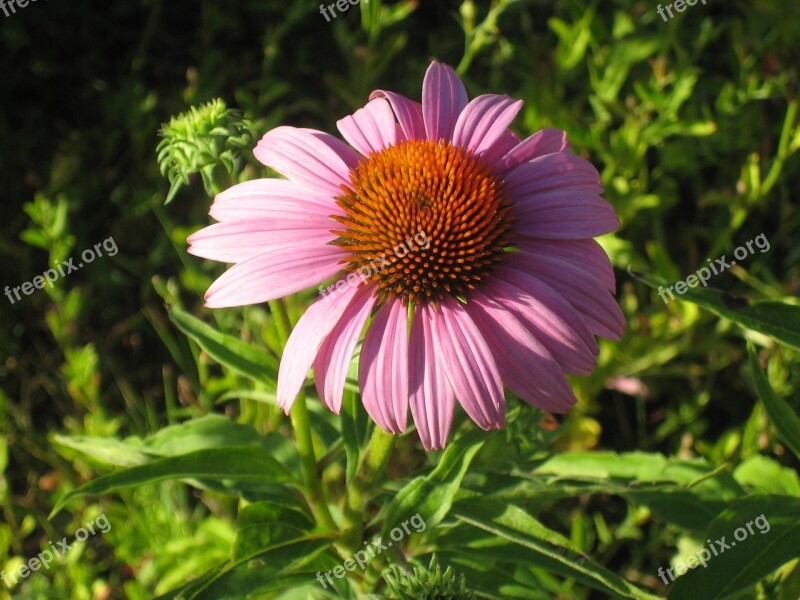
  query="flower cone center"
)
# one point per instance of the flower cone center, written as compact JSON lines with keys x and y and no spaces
{"x":424,"y":220}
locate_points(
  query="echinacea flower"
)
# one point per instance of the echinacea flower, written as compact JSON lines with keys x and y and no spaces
{"x":499,"y":282}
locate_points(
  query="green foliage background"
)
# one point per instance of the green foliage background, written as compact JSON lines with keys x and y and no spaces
{"x":678,"y":437}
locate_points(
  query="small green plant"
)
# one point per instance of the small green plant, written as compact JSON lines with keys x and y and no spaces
{"x":201,"y":140}
{"x":426,"y":583}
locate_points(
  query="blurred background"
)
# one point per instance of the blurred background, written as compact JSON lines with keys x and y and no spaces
{"x":692,"y":124}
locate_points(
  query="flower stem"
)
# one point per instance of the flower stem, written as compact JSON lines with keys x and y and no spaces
{"x":301,"y":423}
{"x":370,"y":470}
{"x":305,"y":446}
{"x":280,"y":316}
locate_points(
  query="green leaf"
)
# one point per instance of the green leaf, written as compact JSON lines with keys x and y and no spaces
{"x":784,"y":419}
{"x":683,"y":508}
{"x":749,"y":558}
{"x":433,"y":495}
{"x":649,"y":479}
{"x":356,"y":429}
{"x":636,"y":467}
{"x":278,"y":568}
{"x":208,"y":431}
{"x":105,"y":450}
{"x":545,"y":548}
{"x":777,"y":320}
{"x":231,"y":464}
{"x":265,"y":524}
{"x":767,"y":476}
{"x":249,"y":361}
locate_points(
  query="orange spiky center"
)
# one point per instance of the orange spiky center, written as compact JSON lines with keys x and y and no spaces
{"x":424,"y":220}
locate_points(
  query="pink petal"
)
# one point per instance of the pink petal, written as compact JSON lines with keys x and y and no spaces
{"x":594,"y":303}
{"x":564,"y":215}
{"x":484,"y":120}
{"x":275,"y":274}
{"x":549,"y":317}
{"x":236,"y":241}
{"x":469,"y":365}
{"x":370,"y":129}
{"x":307,"y":338}
{"x":407,"y":112}
{"x":383,"y":367}
{"x":507,"y":140}
{"x":525,"y":364}
{"x":443,"y":99}
{"x":585,"y":255}
{"x":553,"y":171}
{"x":546,"y":141}
{"x":261,"y":198}
{"x":316,"y":160}
{"x":431,"y":397}
{"x":333,"y":360}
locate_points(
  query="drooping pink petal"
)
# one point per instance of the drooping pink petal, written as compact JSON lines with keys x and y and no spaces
{"x":484,"y":120}
{"x":431,"y":397}
{"x":316,"y":160}
{"x":236,"y":241}
{"x":333,"y":359}
{"x":443,"y":99}
{"x":553,"y":172}
{"x":370,"y":129}
{"x":469,"y":365}
{"x":587,"y":256}
{"x":264,"y":198}
{"x":549,"y":317}
{"x":383,"y":367}
{"x":595,"y":304}
{"x":407,"y":112}
{"x":546,"y":141}
{"x":306,"y":339}
{"x":563,"y":215}
{"x":275,"y":274}
{"x":524,"y":363}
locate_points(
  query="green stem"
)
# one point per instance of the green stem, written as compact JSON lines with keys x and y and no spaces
{"x":301,"y":423}
{"x":371,"y":469}
{"x":280,"y":315}
{"x":783,"y":146}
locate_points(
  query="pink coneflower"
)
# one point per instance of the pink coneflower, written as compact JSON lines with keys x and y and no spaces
{"x":509,"y":290}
